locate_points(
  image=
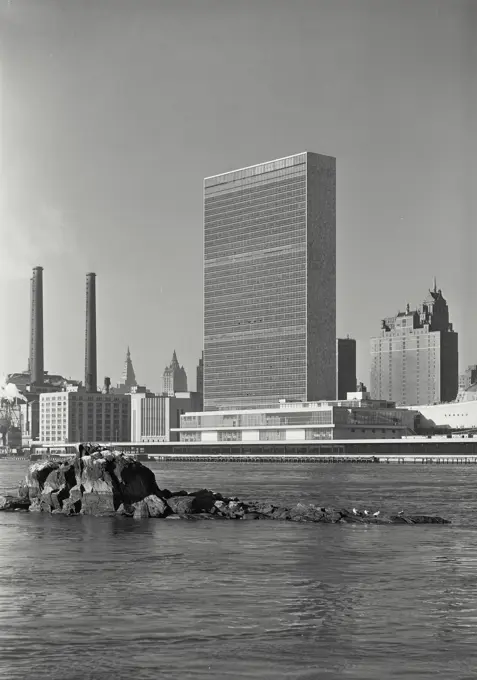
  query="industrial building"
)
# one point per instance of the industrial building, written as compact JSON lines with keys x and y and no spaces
{"x":270,"y":283}
{"x":84,"y":416}
{"x":357,"y":417}
{"x":10,"y":417}
{"x":414,"y":360}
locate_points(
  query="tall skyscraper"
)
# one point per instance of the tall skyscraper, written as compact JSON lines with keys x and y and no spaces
{"x":346,"y":367}
{"x":414,"y":360}
{"x":270,"y":283}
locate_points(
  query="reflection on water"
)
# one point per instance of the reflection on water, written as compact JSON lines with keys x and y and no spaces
{"x":113,"y":598}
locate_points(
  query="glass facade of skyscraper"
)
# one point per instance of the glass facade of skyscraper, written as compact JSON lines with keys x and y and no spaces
{"x":256,"y":252}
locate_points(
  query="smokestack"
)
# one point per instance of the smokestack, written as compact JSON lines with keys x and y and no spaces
{"x":91,"y":374}
{"x":36,"y":364}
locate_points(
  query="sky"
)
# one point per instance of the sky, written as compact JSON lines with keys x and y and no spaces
{"x":113,"y":111}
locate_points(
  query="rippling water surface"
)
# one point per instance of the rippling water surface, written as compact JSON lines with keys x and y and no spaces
{"x":95,"y":598}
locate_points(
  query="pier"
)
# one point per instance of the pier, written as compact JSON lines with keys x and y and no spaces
{"x":415,"y":450}
{"x":342,"y":459}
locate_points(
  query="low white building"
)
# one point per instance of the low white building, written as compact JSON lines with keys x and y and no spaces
{"x":460,"y":414}
{"x":358,"y":417}
{"x":454,"y":416}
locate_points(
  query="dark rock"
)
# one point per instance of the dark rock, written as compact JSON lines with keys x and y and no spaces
{"x":12,"y":503}
{"x":36,"y":477}
{"x":231,"y":509}
{"x":305,"y":513}
{"x":264,"y":509}
{"x":35,"y":505}
{"x":425,"y":519}
{"x":252,"y":515}
{"x":156,"y":506}
{"x":400,"y":519}
{"x":280,"y":514}
{"x":200,"y":515}
{"x":71,"y":507}
{"x":96,"y":481}
{"x":181,"y":505}
{"x":125,"y":510}
{"x":97,"y":504}
{"x":140,"y":510}
{"x":204,"y":500}
{"x":165,"y":493}
{"x":136,"y":481}
{"x":23,"y":489}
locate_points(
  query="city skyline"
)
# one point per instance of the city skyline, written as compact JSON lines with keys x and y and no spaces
{"x":390,"y":99}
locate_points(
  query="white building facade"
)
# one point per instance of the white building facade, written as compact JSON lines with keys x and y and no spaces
{"x":74,"y":416}
{"x":156,"y":418}
{"x":356,"y":418}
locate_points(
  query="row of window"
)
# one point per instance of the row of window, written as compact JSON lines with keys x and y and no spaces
{"x":243,"y":224}
{"x":231,"y":185}
{"x":289,"y":258}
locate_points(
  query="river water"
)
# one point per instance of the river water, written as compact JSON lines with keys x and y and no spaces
{"x":104,"y":598}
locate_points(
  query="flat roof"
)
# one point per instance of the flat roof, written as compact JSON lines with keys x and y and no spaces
{"x":256,"y":165}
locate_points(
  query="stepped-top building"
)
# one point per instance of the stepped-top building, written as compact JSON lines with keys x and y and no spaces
{"x":174,"y":378}
{"x":128,"y":382}
{"x":414,"y":360}
{"x":128,"y":377}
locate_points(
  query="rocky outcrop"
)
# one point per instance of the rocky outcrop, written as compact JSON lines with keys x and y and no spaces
{"x":101,"y":482}
{"x":95,"y":482}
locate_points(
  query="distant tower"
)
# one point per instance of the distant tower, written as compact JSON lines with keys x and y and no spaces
{"x":345,"y":367}
{"x":36,"y":364}
{"x":174,"y":378}
{"x":91,"y":371}
{"x":200,"y":375}
{"x":128,"y":378}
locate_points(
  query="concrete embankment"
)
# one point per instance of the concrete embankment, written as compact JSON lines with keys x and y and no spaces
{"x":304,"y":459}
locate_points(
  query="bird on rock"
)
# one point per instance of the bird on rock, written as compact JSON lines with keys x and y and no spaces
{"x":366,"y":513}
{"x":355,"y":512}
{"x":376,"y":514}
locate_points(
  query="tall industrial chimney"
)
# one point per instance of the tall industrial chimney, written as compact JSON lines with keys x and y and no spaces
{"x":91,"y":373}
{"x":36,"y":364}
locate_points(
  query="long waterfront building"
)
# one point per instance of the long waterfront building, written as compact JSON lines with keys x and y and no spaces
{"x":270,"y":283}
{"x":357,"y":417}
